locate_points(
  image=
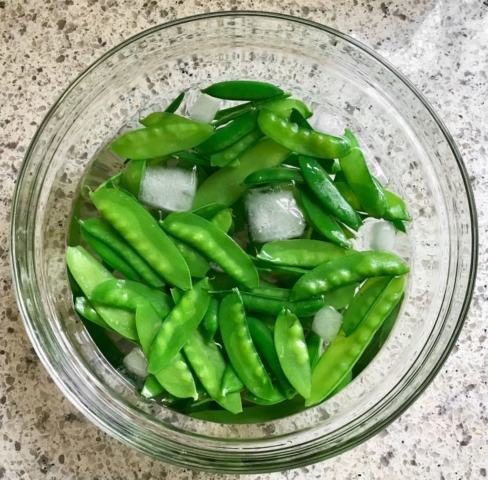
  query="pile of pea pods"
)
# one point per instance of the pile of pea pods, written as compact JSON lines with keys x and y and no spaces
{"x":224,"y":324}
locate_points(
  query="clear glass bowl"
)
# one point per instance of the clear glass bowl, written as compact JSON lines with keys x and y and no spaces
{"x":406,"y":142}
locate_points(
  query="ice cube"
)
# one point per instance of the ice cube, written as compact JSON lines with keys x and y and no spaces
{"x":326,"y":122}
{"x":375,"y":235}
{"x":170,"y":188}
{"x":136,"y":363}
{"x":327,"y":322}
{"x":273,"y":215}
{"x":204,"y":108}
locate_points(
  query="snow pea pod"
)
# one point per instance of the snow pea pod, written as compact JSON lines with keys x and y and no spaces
{"x":323,"y":187}
{"x":210,"y":322}
{"x":285,"y":106}
{"x":175,"y":104}
{"x":274,"y":175}
{"x":322,"y":220}
{"x":226,"y":136}
{"x":276,"y":292}
{"x":263,"y":339}
{"x":104,"y":232}
{"x":143,"y":233}
{"x":193,"y":158}
{"x":214,"y":244}
{"x":346,"y":191}
{"x":231,"y":153}
{"x":301,"y":252}
{"x":314,"y":346}
{"x":223,"y":220}
{"x":130,"y":295}
{"x":179,"y":326}
{"x":231,"y":383}
{"x":292,"y":352}
{"x":161,"y":139}
{"x":148,"y":323}
{"x":132,"y":175}
{"x":197,"y":265}
{"x":209,"y":211}
{"x":224,"y":186}
{"x":209,"y":365}
{"x":87,"y":310}
{"x":302,"y":140}
{"x":278,"y":398}
{"x":299,"y":119}
{"x":242,"y":90}
{"x":240,"y":348}
{"x":152,"y":388}
{"x":88,"y":274}
{"x":160,"y":118}
{"x":342,"y":354}
{"x":177,"y":379}
{"x":396,"y":209}
{"x":343,"y":271}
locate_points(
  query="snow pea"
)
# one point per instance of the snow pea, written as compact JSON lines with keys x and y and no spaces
{"x":226,"y":136}
{"x":224,"y":186}
{"x":273,"y":291}
{"x":210,"y":322}
{"x":209,"y":211}
{"x":192,"y":158}
{"x":161,"y":118}
{"x":285,"y":106}
{"x":104,"y":232}
{"x":143,"y":233}
{"x":86,"y":310}
{"x":278,"y":398}
{"x":292,"y":352}
{"x":343,"y":271}
{"x":209,"y":365}
{"x":179,"y":326}
{"x":214,"y":244}
{"x":322,"y":220}
{"x":342,"y":354}
{"x":88,"y":274}
{"x":161,"y":139}
{"x":240,"y":348}
{"x":231,"y":383}
{"x":399,"y":225}
{"x":340,"y":297}
{"x":132,"y":175}
{"x":177,"y":379}
{"x":274,"y":175}
{"x":232,"y":152}
{"x":302,"y":140}
{"x":129,"y":295}
{"x":299,"y":119}
{"x":263,"y":339}
{"x":301,"y":252}
{"x":175,"y":104}
{"x":314,"y":346}
{"x":223,"y":220}
{"x":396,"y":209}
{"x":152,"y":388}
{"x":323,"y":187}
{"x":346,"y":191}
{"x":148,"y":323}
{"x":197,"y":265}
{"x":343,"y":384}
{"x":242,"y":90}
{"x":370,"y":290}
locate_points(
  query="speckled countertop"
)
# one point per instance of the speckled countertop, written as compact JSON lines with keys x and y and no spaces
{"x":441,"y":45}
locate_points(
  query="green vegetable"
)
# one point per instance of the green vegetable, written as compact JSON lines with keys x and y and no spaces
{"x":242,"y":90}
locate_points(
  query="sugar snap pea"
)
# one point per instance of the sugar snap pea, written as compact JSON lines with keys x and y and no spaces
{"x":179,"y":326}
{"x":160,"y":118}
{"x":242,"y":90}
{"x":148,"y":323}
{"x":274,"y":305}
{"x":341,"y":355}
{"x":278,"y":398}
{"x":175,"y":104}
{"x":197,"y":265}
{"x":274,"y":175}
{"x":302,"y":140}
{"x":143,"y":233}
{"x":285,"y":106}
{"x":177,"y":379}
{"x":232,"y":152}
{"x":314,"y":345}
{"x":152,"y":388}
{"x":299,"y":119}
{"x":240,"y":348}
{"x":214,"y":244}
{"x":223,"y":220}
{"x":132,"y":175}
{"x":292,"y":352}
{"x":192,"y":158}
{"x":343,"y":271}
{"x":231,"y":383}
{"x":210,"y":322}
{"x":87,"y":310}
{"x":209,"y":211}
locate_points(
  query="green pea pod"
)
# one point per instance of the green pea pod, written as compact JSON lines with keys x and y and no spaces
{"x":399,"y":225}
{"x":302,"y":140}
{"x":242,"y":90}
{"x":362,"y":302}
{"x":274,"y":305}
{"x":272,"y":291}
{"x":177,"y":379}
{"x":143,"y":233}
{"x":274,"y":175}
{"x":161,"y":139}
{"x":240,"y":348}
{"x":132,"y":176}
{"x":197,"y":265}
{"x":340,"y":297}
{"x":104,"y":232}
{"x":232,"y":152}
{"x":209,"y":211}
{"x":263,"y":339}
{"x":214,"y":244}
{"x":314,"y":345}
{"x":301,"y":253}
{"x":231,"y":383}
{"x":322,"y":220}
{"x":211,"y":319}
{"x":323,"y":187}
{"x":292,"y":352}
{"x":178,"y":326}
{"x":176,"y":294}
{"x":226,"y":136}
{"x":343,"y":271}
{"x":192,"y":158}
{"x":86,"y":310}
{"x":152,"y":388}
{"x":175,"y":104}
{"x":88,"y":274}
{"x":224,"y":187}
{"x":285,"y":106}
{"x":130,"y":295}
{"x":346,"y":191}
{"x":160,"y":118}
{"x":278,"y":398}
{"x":396,"y":209}
{"x":148,"y":323}
{"x":299,"y":119}
{"x":344,"y":383}
{"x":209,"y":365}
{"x":223,"y":220}
{"x":342,"y":354}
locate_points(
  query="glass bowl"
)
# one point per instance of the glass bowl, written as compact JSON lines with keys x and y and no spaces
{"x":406,"y":143}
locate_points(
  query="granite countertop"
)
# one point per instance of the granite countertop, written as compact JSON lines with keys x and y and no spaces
{"x":441,"y":45}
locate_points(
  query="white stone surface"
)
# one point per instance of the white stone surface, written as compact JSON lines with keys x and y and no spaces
{"x":441,"y":45}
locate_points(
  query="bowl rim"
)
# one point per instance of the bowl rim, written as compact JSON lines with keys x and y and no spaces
{"x":373,"y":430}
